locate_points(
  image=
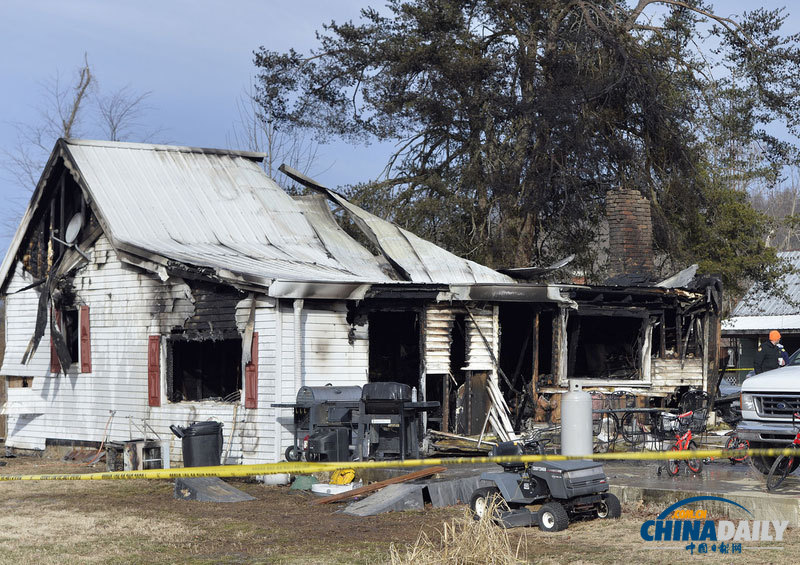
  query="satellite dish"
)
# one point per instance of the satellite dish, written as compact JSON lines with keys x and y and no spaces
{"x":73,"y":228}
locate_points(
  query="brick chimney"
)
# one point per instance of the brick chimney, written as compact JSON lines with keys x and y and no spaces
{"x":630,"y":233}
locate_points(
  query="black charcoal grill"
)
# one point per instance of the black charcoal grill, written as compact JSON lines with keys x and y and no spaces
{"x":388,"y":421}
{"x":323,"y":422}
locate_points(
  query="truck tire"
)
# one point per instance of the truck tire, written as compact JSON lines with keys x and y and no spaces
{"x":486,"y":499}
{"x":762,"y":463}
{"x":609,"y":507}
{"x":553,"y":517}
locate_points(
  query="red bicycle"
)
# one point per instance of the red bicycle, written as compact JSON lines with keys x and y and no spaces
{"x":681,"y":427}
{"x":734,"y":443}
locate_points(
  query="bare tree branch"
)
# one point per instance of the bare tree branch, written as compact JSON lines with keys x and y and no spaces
{"x":119,"y":113}
{"x":255,"y":131}
{"x":727,"y":23}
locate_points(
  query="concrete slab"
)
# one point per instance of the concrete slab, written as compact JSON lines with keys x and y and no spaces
{"x":739,"y":483}
{"x":392,"y":498}
{"x":208,"y":489}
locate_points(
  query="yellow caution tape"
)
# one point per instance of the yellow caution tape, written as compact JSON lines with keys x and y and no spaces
{"x":301,"y":468}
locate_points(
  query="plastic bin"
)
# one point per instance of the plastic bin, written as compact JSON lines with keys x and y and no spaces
{"x":201,"y":443}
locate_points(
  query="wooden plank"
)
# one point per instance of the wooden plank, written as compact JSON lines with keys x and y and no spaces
{"x":535,"y":373}
{"x":427,"y":472}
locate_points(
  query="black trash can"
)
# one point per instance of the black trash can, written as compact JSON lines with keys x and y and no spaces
{"x":201,"y":442}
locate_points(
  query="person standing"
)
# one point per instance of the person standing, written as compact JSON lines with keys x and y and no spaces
{"x":769,"y":355}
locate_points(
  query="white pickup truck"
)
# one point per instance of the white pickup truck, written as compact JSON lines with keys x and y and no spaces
{"x":767,"y":402}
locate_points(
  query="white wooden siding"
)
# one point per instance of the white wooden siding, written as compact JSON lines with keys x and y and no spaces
{"x":126,"y":306}
{"x":439,"y":320}
{"x":668,"y":372}
{"x":20,"y":323}
{"x":328,"y":357}
{"x":483,"y":331}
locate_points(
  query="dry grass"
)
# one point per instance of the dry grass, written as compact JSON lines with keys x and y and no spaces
{"x":463,"y":540}
{"x":141,"y":522}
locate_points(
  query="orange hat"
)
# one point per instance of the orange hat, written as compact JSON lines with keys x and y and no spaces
{"x":774,"y":335}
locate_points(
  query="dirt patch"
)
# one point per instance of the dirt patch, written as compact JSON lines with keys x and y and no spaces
{"x":140,"y":522}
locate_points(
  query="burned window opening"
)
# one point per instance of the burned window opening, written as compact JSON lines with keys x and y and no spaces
{"x":71,"y":329}
{"x":604,"y":347}
{"x":457,"y":376}
{"x":516,"y":345}
{"x":546,"y":343}
{"x":204,"y":369}
{"x":394,"y":347}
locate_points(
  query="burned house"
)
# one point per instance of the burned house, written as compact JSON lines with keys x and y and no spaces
{"x":153,"y":285}
{"x":164,"y":285}
{"x":651,"y":339}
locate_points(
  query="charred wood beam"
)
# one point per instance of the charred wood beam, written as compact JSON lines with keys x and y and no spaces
{"x":446,"y":402}
{"x":628,"y":311}
{"x":535,"y":346}
{"x":60,"y":343}
{"x":62,"y":196}
{"x":572,"y":356}
{"x":556,"y":347}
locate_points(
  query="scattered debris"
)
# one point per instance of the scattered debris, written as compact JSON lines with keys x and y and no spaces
{"x":427,"y":472}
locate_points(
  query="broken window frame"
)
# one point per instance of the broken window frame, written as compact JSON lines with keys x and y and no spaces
{"x":642,"y":350}
{"x":236,"y":393}
{"x":69,"y":337}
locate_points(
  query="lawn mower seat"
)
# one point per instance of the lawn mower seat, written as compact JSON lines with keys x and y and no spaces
{"x":508,"y":448}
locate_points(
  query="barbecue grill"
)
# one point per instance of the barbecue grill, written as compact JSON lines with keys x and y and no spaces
{"x":338,"y":423}
{"x":323,"y":422}
{"x":388,"y":421}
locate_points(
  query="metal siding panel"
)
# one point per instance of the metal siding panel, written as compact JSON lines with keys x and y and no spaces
{"x":241,"y":219}
{"x":421,"y":259}
{"x":757,"y":303}
{"x":337,"y":242}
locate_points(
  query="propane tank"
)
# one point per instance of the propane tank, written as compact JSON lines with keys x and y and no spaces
{"x":576,"y":422}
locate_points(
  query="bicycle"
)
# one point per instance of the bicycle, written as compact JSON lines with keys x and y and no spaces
{"x":785,"y":464}
{"x":734,"y":443}
{"x":680,"y":425}
{"x":605,"y":425}
{"x":635,"y":428}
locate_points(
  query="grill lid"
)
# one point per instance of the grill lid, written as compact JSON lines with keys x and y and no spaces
{"x":386,"y":391}
{"x":309,"y":395}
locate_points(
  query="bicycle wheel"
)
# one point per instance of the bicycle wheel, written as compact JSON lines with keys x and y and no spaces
{"x":673,"y":465}
{"x":695,"y":465}
{"x":736,"y":444}
{"x":633,"y":430}
{"x":779,"y":471}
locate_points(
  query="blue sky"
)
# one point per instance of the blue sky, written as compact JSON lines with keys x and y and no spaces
{"x":195,"y":57}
